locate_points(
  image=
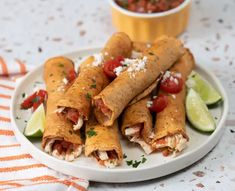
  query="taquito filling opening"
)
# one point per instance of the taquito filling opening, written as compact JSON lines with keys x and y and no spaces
{"x":72,"y":115}
{"x":133,"y":133}
{"x":174,"y":143}
{"x":62,"y":149}
{"x":106,"y":158}
{"x":104,"y":110}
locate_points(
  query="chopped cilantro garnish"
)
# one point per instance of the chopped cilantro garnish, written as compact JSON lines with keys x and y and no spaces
{"x":124,"y":155}
{"x":93,"y":86}
{"x":61,"y":65}
{"x":25,"y":121}
{"x":129,"y":162}
{"x":17,"y":117}
{"x":91,"y":132}
{"x":36,"y":99}
{"x":88,"y":96}
{"x":143,"y":160}
{"x":136,"y":164}
{"x":23,"y":95}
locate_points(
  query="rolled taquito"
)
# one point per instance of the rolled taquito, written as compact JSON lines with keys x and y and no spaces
{"x":75,"y":106}
{"x":170,"y":133}
{"x":137,"y":124}
{"x":59,"y":139}
{"x":103,"y":143}
{"x":141,"y":73}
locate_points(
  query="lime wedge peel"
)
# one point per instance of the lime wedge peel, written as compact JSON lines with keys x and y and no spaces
{"x":36,"y":124}
{"x":198,"y":113}
{"x":206,"y":91}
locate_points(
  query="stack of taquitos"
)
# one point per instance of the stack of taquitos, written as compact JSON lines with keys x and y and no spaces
{"x":170,"y":132}
{"x":76,"y":103}
{"x":59,"y":139}
{"x":110,"y":102}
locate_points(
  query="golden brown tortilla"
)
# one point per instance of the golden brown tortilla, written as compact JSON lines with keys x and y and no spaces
{"x":171,"y":120}
{"x":104,"y":139}
{"x":55,"y":69}
{"x":117,"y":95}
{"x":91,"y":79}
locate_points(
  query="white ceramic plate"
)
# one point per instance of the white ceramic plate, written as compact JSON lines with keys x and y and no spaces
{"x":155,"y":166}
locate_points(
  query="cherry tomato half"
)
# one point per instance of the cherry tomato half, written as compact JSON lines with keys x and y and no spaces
{"x":110,"y":65}
{"x":34,"y":100}
{"x":159,"y":103}
{"x":172,"y":84}
{"x":27,"y":103}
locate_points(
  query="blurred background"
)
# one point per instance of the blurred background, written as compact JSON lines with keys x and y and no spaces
{"x":33,"y":31}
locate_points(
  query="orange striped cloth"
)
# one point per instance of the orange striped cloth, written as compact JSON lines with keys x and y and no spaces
{"x":18,"y":170}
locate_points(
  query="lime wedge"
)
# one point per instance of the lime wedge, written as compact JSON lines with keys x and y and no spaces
{"x":36,"y":123}
{"x":198,"y":113}
{"x":207,"y":92}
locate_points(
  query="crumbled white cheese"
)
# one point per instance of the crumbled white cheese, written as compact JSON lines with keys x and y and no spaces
{"x":65,"y":81}
{"x":176,"y":81}
{"x":137,"y":65}
{"x":106,"y":53}
{"x":154,"y":97}
{"x":148,"y":45}
{"x":149,"y":104}
{"x":98,"y":59}
{"x":118,"y":70}
{"x":135,"y":54}
{"x":178,"y":75}
{"x":173,"y":96}
{"x":166,"y":75}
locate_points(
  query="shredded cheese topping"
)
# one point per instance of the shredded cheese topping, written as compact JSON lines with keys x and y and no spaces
{"x":98,"y":59}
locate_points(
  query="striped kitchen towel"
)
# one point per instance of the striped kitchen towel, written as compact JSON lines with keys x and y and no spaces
{"x":18,"y":170}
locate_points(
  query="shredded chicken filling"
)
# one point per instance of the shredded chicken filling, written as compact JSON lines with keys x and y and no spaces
{"x":62,"y":149}
{"x":176,"y":142}
{"x":72,"y":115}
{"x":107,"y":158}
{"x":133,"y":134}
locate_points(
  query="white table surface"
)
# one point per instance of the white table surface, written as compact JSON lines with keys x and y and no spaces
{"x":34,"y":30}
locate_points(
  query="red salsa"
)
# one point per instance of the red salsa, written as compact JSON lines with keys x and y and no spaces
{"x":149,"y":6}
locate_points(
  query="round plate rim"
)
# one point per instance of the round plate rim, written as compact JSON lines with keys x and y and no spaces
{"x":214,"y":137}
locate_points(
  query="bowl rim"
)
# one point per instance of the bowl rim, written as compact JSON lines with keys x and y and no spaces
{"x":149,"y":15}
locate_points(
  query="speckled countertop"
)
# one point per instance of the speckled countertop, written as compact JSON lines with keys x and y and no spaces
{"x":35,"y":30}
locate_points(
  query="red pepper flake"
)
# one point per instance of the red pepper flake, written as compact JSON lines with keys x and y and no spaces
{"x":199,"y":173}
{"x":200,"y":185}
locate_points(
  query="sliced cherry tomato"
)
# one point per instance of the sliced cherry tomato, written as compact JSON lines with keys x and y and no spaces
{"x":34,"y":100}
{"x":159,"y":103}
{"x":27,"y":103}
{"x":71,"y":75}
{"x":172,"y":84}
{"x":110,"y":65}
